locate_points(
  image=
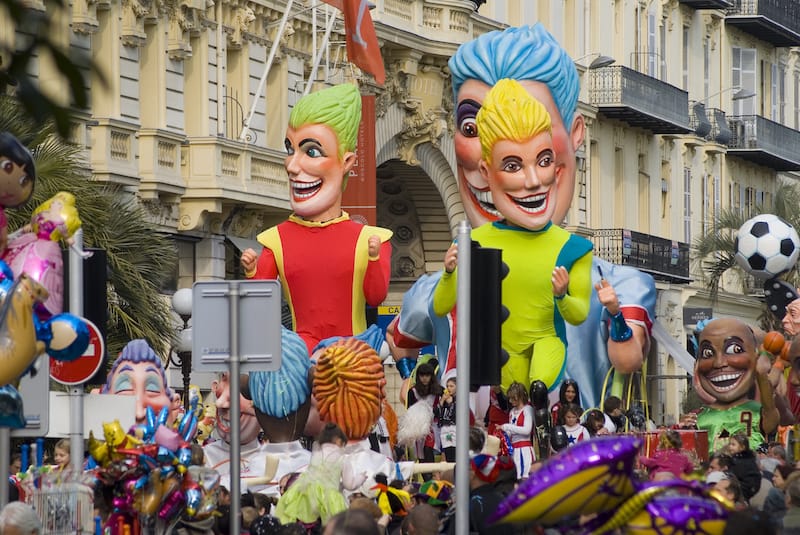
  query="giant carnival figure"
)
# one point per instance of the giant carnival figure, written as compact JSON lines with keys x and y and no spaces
{"x":17,"y":177}
{"x":329,"y":265}
{"x":139,"y":372}
{"x":727,"y":367}
{"x":617,"y":330}
{"x":549,"y":281}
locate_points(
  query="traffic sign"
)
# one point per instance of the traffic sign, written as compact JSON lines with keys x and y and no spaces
{"x":84,"y":367}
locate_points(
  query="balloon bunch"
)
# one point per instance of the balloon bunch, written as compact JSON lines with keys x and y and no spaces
{"x":595,"y":477}
{"x":149,"y":474}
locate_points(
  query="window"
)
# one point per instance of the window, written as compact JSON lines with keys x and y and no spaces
{"x":744,"y":75}
{"x":583,"y":198}
{"x":797,"y":100}
{"x":652,"y":54}
{"x":706,"y":66}
{"x":749,"y":201}
{"x":686,"y":58}
{"x":687,"y":205}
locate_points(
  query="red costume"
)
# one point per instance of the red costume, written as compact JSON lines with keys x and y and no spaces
{"x":326,"y":273}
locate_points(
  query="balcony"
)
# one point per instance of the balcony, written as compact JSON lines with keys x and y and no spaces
{"x":707,"y":4}
{"x":666,"y":260}
{"x":774,"y":21}
{"x":764,"y":142}
{"x":710,"y":124}
{"x":639,"y":100}
{"x":219,"y":172}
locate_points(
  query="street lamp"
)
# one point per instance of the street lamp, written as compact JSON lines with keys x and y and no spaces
{"x":598,"y":62}
{"x":182,"y":305}
{"x":741,"y":93}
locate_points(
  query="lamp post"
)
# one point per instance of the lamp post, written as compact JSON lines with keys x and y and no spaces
{"x":741,"y":93}
{"x":598,"y":62}
{"x":182,"y":305}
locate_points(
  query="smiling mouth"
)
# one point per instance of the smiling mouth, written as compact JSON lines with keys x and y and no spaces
{"x":533,"y":204}
{"x":304,"y":190}
{"x":726,"y":381}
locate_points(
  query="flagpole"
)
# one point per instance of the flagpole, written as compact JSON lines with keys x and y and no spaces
{"x":272,"y":51}
{"x":323,"y":47}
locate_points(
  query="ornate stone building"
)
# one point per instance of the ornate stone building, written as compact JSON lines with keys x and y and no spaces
{"x":189,"y":120}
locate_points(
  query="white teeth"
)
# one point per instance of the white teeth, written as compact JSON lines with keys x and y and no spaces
{"x":724,"y":378}
{"x":538,"y":203}
{"x":484,"y":198}
{"x":310,"y":187}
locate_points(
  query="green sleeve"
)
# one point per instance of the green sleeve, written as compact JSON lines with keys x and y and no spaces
{"x":444,"y":296}
{"x":574,"y":308}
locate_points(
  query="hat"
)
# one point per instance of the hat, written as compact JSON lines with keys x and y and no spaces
{"x":435,"y":492}
{"x":492,"y":445}
{"x":715,"y":476}
{"x":485,"y":467}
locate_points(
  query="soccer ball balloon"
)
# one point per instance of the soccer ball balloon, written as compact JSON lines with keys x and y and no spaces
{"x":766,"y":246}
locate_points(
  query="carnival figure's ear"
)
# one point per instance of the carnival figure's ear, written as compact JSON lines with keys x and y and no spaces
{"x":578,"y":131}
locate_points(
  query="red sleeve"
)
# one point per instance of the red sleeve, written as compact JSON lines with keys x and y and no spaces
{"x":794,"y":400}
{"x":266,"y":267}
{"x":376,"y":280}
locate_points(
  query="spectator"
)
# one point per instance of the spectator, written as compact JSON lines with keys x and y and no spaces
{"x":426,"y":388}
{"x":748,"y":522}
{"x":594,"y":422}
{"x":497,"y":412}
{"x":614,"y":419}
{"x":568,"y":393}
{"x":775,"y":502}
{"x":791,"y":520}
{"x":61,"y":454}
{"x":445,"y":414}
{"x":423,"y":519}
{"x":668,"y":458}
{"x":744,"y":465}
{"x":519,"y":428}
{"x":571,"y":420}
{"x":352,"y":522}
{"x":18,"y":518}
{"x":730,"y":487}
{"x":484,"y":498}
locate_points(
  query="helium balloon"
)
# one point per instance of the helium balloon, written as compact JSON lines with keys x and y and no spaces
{"x":559,"y":438}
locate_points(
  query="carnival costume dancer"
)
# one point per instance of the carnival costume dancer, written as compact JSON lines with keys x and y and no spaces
{"x":532,"y":56}
{"x":329,"y":265}
{"x":726,"y":369}
{"x":549,"y":279}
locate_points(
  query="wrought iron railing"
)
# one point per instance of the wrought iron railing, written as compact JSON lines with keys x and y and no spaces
{"x":618,"y":85}
{"x":783,"y":12}
{"x":756,"y":132}
{"x":662,"y":258}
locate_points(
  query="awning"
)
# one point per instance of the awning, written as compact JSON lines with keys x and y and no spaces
{"x":678,"y":352}
{"x":244,"y":243}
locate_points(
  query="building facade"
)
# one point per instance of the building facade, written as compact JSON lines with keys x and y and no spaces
{"x":700,"y":111}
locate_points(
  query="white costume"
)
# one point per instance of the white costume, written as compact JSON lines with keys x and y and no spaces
{"x":519,"y":430}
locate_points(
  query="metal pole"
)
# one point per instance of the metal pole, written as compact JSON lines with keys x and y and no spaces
{"x":236,"y":492}
{"x":76,"y":392}
{"x":272,"y":51}
{"x":320,"y":52}
{"x":5,"y":460}
{"x":462,"y":365}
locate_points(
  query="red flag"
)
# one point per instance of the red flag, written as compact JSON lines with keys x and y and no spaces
{"x":362,"y":43}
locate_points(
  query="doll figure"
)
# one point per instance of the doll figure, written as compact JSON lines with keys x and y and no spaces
{"x":37,"y":251}
{"x":17,"y":176}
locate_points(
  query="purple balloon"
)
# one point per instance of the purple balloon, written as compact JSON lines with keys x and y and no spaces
{"x":590,"y":477}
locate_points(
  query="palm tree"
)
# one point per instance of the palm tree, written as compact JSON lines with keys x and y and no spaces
{"x":140,"y":258}
{"x":715,"y":251}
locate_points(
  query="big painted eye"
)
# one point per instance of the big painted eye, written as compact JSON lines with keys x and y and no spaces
{"x":707,"y":353}
{"x":288,"y":145}
{"x":468,"y":127}
{"x":7,"y":166}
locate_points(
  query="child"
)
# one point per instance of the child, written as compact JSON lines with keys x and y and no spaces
{"x":519,"y":427}
{"x":426,"y":388}
{"x":593,"y":422}
{"x":316,"y":495}
{"x":571,"y":420}
{"x":668,"y":458}
{"x":61,"y":455}
{"x":445,"y":413}
{"x":744,"y":465}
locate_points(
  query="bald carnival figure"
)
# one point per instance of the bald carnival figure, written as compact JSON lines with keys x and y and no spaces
{"x":726,"y":369}
{"x":622,"y":308}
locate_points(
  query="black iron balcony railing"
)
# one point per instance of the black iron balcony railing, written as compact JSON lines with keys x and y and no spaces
{"x":707,"y":4}
{"x":665,"y":260}
{"x":774,"y":21}
{"x":764,"y":142}
{"x":639,"y":100}
{"x":709,"y":124}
